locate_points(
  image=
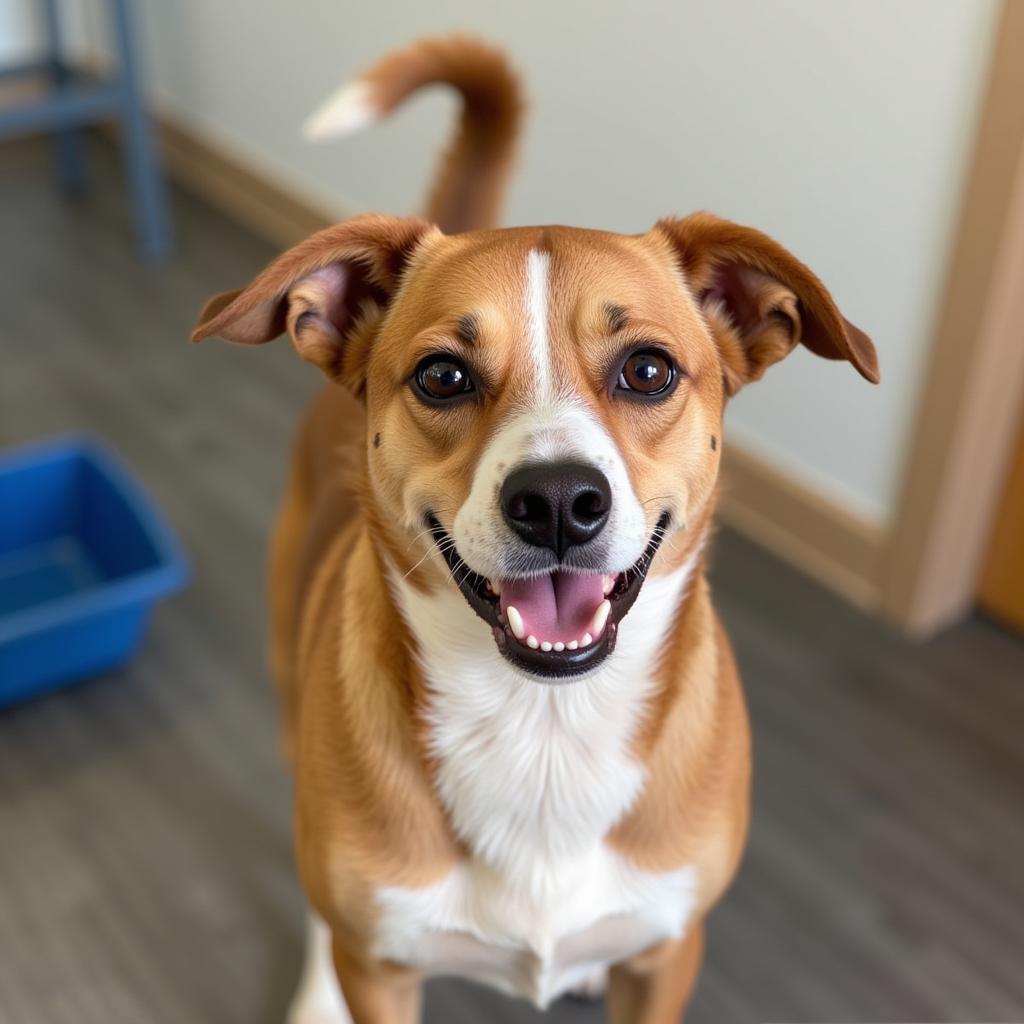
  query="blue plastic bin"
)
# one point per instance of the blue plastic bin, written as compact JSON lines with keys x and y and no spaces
{"x":84,"y":554}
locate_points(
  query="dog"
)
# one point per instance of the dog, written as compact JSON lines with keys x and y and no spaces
{"x":519,"y":742}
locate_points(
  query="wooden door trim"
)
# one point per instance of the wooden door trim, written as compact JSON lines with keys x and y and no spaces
{"x":965,"y":429}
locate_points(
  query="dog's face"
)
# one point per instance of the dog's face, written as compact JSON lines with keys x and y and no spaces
{"x":543,"y":404}
{"x":546,"y":401}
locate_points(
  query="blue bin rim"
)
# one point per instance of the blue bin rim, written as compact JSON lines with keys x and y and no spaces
{"x":169,"y":574}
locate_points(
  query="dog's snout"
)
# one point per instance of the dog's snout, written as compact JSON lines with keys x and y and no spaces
{"x":556,"y":505}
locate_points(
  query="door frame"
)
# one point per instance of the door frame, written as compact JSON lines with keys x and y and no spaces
{"x":967,"y":419}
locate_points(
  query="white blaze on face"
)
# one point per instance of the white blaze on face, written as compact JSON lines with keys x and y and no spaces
{"x":552,"y":425}
{"x":538,"y":267}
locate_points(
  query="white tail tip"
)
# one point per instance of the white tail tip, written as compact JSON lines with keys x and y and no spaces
{"x":347,"y":111}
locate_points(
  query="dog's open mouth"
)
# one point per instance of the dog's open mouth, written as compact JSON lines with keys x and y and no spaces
{"x":557,"y":625}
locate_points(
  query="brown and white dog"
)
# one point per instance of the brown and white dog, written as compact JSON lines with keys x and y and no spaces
{"x":518,"y":737}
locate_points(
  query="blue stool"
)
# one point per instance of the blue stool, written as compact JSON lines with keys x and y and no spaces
{"x":75,"y":102}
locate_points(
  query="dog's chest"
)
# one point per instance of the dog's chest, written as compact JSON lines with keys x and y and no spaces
{"x":539,"y":941}
{"x":534,"y":778}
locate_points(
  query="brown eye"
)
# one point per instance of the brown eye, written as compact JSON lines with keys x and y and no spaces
{"x":647,"y":373}
{"x":441,"y":378}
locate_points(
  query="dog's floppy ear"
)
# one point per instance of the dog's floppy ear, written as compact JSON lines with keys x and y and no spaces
{"x":328,"y":292}
{"x":760,"y":300}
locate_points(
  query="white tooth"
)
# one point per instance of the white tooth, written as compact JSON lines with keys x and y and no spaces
{"x":559,"y":646}
{"x":545,"y":645}
{"x":572,"y":645}
{"x":609,"y":584}
{"x":495,"y":586}
{"x":601,"y":617}
{"x":515,"y":621}
{"x":531,"y":641}
{"x":587,"y":640}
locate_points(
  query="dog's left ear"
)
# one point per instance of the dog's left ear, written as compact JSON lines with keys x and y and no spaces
{"x":760,"y":300}
{"x":329,"y":293}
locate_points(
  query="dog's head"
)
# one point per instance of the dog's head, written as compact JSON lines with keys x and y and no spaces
{"x":543,"y":405}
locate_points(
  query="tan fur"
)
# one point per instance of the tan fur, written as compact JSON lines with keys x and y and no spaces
{"x":380,"y":293}
{"x":471,"y":180}
{"x":654,"y":987}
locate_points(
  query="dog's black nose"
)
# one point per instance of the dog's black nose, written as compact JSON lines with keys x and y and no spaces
{"x":556,"y":505}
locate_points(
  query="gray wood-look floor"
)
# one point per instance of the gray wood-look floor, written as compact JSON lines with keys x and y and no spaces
{"x":145,"y":871}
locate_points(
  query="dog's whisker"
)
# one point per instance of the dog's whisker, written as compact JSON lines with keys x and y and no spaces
{"x":429,"y":529}
{"x":418,"y":564}
{"x":447,"y":544}
{"x":455,"y":570}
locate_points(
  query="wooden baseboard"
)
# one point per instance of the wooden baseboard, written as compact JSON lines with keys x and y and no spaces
{"x":224,"y":178}
{"x":816,"y":535}
{"x":227,"y":182}
{"x":840,"y":550}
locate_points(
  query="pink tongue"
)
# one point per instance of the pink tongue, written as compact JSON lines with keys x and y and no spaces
{"x":556,"y":607}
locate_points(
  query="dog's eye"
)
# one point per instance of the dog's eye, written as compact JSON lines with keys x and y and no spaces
{"x":647,"y":372}
{"x":442,"y":378}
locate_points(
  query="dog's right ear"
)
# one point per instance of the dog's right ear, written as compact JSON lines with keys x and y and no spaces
{"x":328,"y":292}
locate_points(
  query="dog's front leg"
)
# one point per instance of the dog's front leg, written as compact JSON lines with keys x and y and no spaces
{"x":655,"y":987}
{"x":379,"y":994}
{"x":384,"y":996}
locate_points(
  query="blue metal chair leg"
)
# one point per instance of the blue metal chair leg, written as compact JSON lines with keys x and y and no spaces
{"x":70,"y":142}
{"x":149,"y":197}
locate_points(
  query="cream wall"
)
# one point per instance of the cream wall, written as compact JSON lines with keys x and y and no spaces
{"x":841,"y":127}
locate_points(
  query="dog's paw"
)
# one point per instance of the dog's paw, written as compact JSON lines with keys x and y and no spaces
{"x":319,"y":1004}
{"x":313,"y":1014}
{"x":593,"y":987}
{"x":318,"y":999}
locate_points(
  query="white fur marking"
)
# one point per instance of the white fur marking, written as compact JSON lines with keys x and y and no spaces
{"x":594,"y":986}
{"x":538,"y":265}
{"x":318,"y":999}
{"x":345,"y":112}
{"x":547,"y":427}
{"x":533,"y":778}
{"x":566,"y":429}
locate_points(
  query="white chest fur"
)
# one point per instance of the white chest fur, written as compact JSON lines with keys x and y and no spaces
{"x":533,"y":778}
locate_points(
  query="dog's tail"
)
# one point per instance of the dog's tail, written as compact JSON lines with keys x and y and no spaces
{"x":471,"y":179}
